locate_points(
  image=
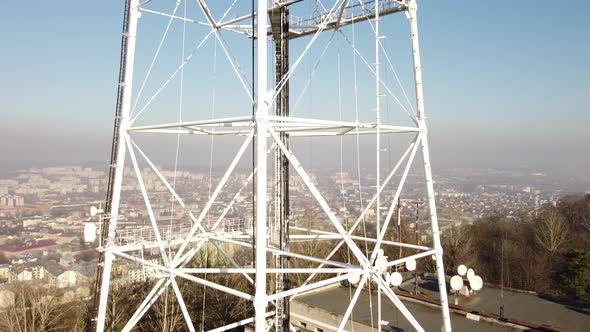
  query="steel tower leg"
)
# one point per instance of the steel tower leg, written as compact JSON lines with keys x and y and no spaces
{"x":378,"y":153}
{"x":124,"y":103}
{"x":427,"y":170}
{"x":280,"y":28}
{"x":262,"y":106}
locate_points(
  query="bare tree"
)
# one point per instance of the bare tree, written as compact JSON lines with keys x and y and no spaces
{"x":456,"y":242}
{"x":551,"y":232}
{"x":164,"y":315}
{"x":124,"y":298}
{"x":35,"y":309}
{"x":310,"y":248}
{"x":222,"y":308}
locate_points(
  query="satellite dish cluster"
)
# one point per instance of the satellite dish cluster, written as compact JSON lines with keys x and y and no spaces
{"x":458,"y":284}
{"x":90,"y":227}
{"x":393,"y":279}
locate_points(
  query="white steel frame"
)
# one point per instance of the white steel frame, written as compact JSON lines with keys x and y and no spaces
{"x":262,"y":129}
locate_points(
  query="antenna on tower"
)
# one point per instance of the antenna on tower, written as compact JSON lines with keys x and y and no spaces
{"x":94,"y":211}
{"x":396,"y":279}
{"x":89,"y":232}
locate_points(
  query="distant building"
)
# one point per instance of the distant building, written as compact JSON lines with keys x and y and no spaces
{"x":66,"y":261}
{"x":11,"y":201}
{"x":67,"y":279}
{"x":25,"y":275}
{"x":6,"y":273}
{"x":32,"y":222}
{"x":30,"y":273}
{"x":86,"y":271}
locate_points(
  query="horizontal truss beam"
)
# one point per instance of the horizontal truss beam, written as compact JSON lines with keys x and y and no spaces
{"x":336,"y":236}
{"x":336,"y":23}
{"x":298,"y":30}
{"x":294,"y":126}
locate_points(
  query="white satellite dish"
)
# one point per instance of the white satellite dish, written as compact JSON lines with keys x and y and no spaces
{"x":94,"y":211}
{"x":411,"y":265}
{"x":381,"y":263}
{"x":470,"y":274}
{"x":89,"y":232}
{"x":396,"y":279}
{"x":476,"y":283}
{"x":456,"y":283}
{"x":354,"y":278}
{"x":462,"y":269}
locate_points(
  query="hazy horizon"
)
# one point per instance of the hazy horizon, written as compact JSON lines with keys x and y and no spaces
{"x":504,"y":88}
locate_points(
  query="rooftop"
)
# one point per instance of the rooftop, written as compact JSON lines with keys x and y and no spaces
{"x":520,"y":307}
{"x":336,"y":299}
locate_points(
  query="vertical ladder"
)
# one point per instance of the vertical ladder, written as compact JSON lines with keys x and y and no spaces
{"x":279,"y":19}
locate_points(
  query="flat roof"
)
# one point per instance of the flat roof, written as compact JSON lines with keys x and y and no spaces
{"x":520,"y":305}
{"x":336,"y":300}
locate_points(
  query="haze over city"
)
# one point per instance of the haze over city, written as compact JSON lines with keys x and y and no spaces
{"x":294,"y":166}
{"x":505,"y":86}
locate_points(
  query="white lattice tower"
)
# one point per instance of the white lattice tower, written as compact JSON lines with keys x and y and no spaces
{"x":265,"y":130}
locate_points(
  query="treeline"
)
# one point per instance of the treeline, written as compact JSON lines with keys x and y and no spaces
{"x":547,"y":252}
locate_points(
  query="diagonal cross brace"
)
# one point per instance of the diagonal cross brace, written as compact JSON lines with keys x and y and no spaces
{"x":320,"y":199}
{"x":197,"y":221}
{"x":362,"y":216}
{"x":381,"y":235}
{"x":146,"y":199}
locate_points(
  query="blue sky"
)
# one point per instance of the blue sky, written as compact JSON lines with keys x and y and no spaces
{"x":506,"y":83}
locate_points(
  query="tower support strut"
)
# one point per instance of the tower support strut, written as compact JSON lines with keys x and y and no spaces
{"x":442,"y":286}
{"x":131,"y":17}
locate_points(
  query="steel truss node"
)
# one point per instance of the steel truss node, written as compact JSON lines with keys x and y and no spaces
{"x":266,"y":133}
